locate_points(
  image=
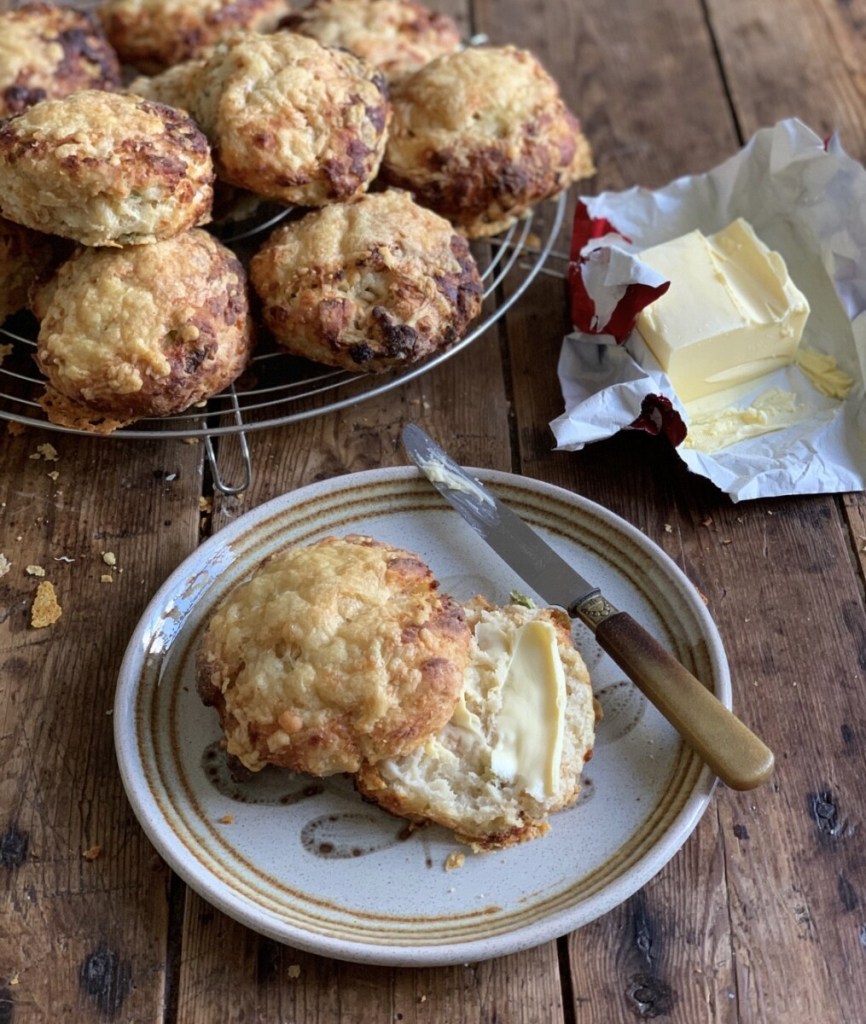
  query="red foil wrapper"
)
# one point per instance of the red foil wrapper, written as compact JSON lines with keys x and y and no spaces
{"x":658,"y":416}
{"x":584,"y":315}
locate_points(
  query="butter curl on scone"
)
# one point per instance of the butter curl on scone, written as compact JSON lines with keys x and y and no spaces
{"x":292,"y":120}
{"x":483,"y":135}
{"x":141,"y":331}
{"x":368,"y":285}
{"x":48,"y":51}
{"x":504,"y":762}
{"x":333,"y":653}
{"x":152,"y":35}
{"x":105,"y":168}
{"x":398,"y":36}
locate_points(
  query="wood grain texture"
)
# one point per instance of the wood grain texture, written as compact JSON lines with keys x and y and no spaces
{"x":799,"y":59}
{"x":772,"y":580}
{"x":760,"y":917}
{"x":80,"y":938}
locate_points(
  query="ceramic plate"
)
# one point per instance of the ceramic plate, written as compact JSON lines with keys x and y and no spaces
{"x":304,"y":860}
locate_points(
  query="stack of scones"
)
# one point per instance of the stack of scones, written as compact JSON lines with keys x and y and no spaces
{"x":391,"y":144}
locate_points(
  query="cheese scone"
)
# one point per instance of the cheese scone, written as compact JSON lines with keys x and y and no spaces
{"x":25,"y":256}
{"x":398,"y":36}
{"x":152,"y":35}
{"x":516,"y":744}
{"x":147,"y":330}
{"x":482,"y":135}
{"x":105,"y":168}
{"x":290,"y":119}
{"x":331,"y":654}
{"x":368,"y":285}
{"x":48,"y":51}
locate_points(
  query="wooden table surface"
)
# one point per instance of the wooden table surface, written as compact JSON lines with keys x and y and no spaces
{"x":762,"y":915}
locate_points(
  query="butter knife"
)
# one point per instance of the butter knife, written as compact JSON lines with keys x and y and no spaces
{"x":727,"y":745}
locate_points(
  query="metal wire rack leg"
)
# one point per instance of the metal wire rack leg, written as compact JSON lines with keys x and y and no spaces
{"x":230,"y":490}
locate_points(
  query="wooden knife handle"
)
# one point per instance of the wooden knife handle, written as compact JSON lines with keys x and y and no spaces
{"x":734,"y":753}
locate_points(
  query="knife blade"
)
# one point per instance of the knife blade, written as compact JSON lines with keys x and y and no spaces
{"x":726,"y":744}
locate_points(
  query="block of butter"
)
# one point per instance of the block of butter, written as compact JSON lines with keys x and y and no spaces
{"x":731,"y":314}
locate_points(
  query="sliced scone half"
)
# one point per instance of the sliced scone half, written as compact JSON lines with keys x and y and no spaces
{"x":514,"y":748}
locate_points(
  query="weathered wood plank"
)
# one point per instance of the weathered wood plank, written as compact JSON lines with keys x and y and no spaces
{"x":785,"y":575}
{"x":855,"y":511}
{"x":811,"y":666}
{"x":800,"y":59}
{"x":663,"y":953}
{"x":80,"y":939}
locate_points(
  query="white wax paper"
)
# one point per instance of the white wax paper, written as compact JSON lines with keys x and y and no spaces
{"x":805,"y":200}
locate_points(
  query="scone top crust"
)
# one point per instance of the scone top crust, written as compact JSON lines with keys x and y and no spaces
{"x":176,"y":86}
{"x":398,"y":36}
{"x":105,"y":168}
{"x":47,"y":51}
{"x":368,"y":285}
{"x":292,"y":120}
{"x":333,"y":653}
{"x":481,"y":136}
{"x":144,"y":330}
{"x":450,"y":780}
{"x":152,"y":35}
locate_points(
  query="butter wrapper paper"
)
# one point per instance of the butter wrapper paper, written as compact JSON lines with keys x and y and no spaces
{"x":805,"y":199}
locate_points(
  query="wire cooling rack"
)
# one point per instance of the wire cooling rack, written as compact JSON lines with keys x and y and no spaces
{"x":279,"y":389}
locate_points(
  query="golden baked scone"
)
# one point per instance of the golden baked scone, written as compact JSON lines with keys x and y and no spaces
{"x":105,"y":168}
{"x":176,"y":86}
{"x":332,"y":653}
{"x":47,"y":52}
{"x":479,"y":776}
{"x":151,"y":35}
{"x":368,"y":285}
{"x":292,"y":120}
{"x":147,"y":330}
{"x":481,"y":136}
{"x":398,"y":36}
{"x":25,"y":256}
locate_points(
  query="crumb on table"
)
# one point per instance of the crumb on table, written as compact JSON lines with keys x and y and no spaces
{"x":45,"y":610}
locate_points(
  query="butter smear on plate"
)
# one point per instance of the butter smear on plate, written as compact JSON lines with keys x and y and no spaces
{"x":731,"y":314}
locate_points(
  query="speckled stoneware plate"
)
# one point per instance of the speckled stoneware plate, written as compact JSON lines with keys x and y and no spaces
{"x":305,"y":861}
